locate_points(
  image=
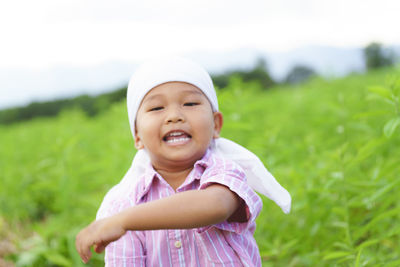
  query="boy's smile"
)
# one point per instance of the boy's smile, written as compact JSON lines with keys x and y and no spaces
{"x":177,"y":137}
{"x":175,"y":124}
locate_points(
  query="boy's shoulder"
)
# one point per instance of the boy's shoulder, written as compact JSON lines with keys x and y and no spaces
{"x":122,"y":199}
{"x":216,"y":163}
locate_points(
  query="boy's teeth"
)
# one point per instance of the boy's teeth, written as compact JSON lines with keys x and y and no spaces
{"x":175,"y":134}
{"x":175,"y":140}
{"x":175,"y":137}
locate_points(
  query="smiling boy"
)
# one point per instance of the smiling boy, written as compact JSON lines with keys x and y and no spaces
{"x":190,"y":205}
{"x":176,"y":124}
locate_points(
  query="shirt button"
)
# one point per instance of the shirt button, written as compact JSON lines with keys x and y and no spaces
{"x":178,"y":244}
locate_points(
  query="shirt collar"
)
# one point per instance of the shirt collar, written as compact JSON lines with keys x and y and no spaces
{"x":145,"y":182}
{"x":150,"y":174}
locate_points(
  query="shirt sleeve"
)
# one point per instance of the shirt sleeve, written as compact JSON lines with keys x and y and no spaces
{"x":129,"y":249}
{"x":233,"y":177}
{"x":126,"y":251}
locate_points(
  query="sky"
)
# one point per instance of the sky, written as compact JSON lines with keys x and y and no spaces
{"x":42,"y":35}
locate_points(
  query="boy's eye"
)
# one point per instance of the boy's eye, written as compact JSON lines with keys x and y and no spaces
{"x":190,"y":104}
{"x":156,"y":108}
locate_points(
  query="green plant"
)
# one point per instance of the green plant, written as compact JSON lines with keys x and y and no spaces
{"x":390,"y":93}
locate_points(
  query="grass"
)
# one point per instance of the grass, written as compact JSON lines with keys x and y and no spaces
{"x":332,"y":143}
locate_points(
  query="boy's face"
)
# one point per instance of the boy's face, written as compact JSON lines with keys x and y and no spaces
{"x":175,"y":123}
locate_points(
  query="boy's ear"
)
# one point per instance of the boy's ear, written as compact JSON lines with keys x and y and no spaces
{"x":138,"y":142}
{"x":218,"y":121}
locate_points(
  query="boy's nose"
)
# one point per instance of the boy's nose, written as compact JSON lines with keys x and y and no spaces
{"x":174,"y":115}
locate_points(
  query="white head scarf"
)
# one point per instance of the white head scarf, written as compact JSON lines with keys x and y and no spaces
{"x":154,"y":73}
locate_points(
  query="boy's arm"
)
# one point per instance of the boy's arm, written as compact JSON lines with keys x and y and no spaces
{"x":189,"y":209}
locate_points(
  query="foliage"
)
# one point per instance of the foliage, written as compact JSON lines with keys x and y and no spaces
{"x":333,"y":144}
{"x":377,"y":57}
{"x":259,"y":73}
{"x":299,"y":74}
{"x":91,"y":105}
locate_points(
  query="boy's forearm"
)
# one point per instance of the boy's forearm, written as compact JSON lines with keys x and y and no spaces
{"x":190,"y":209}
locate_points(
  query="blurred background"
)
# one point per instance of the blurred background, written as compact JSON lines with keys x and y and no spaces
{"x":312,"y":87}
{"x":57,"y":49}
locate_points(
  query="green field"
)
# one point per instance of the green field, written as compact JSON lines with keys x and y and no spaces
{"x":333,"y":143}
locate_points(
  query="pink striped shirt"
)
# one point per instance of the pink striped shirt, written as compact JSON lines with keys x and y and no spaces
{"x":223,"y":244}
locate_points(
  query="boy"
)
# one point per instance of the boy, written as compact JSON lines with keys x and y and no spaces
{"x":185,"y":180}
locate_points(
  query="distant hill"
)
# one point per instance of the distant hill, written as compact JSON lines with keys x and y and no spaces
{"x":22,"y":86}
{"x":326,"y":60}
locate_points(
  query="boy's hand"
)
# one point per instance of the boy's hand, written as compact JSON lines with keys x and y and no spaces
{"x":99,"y":233}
